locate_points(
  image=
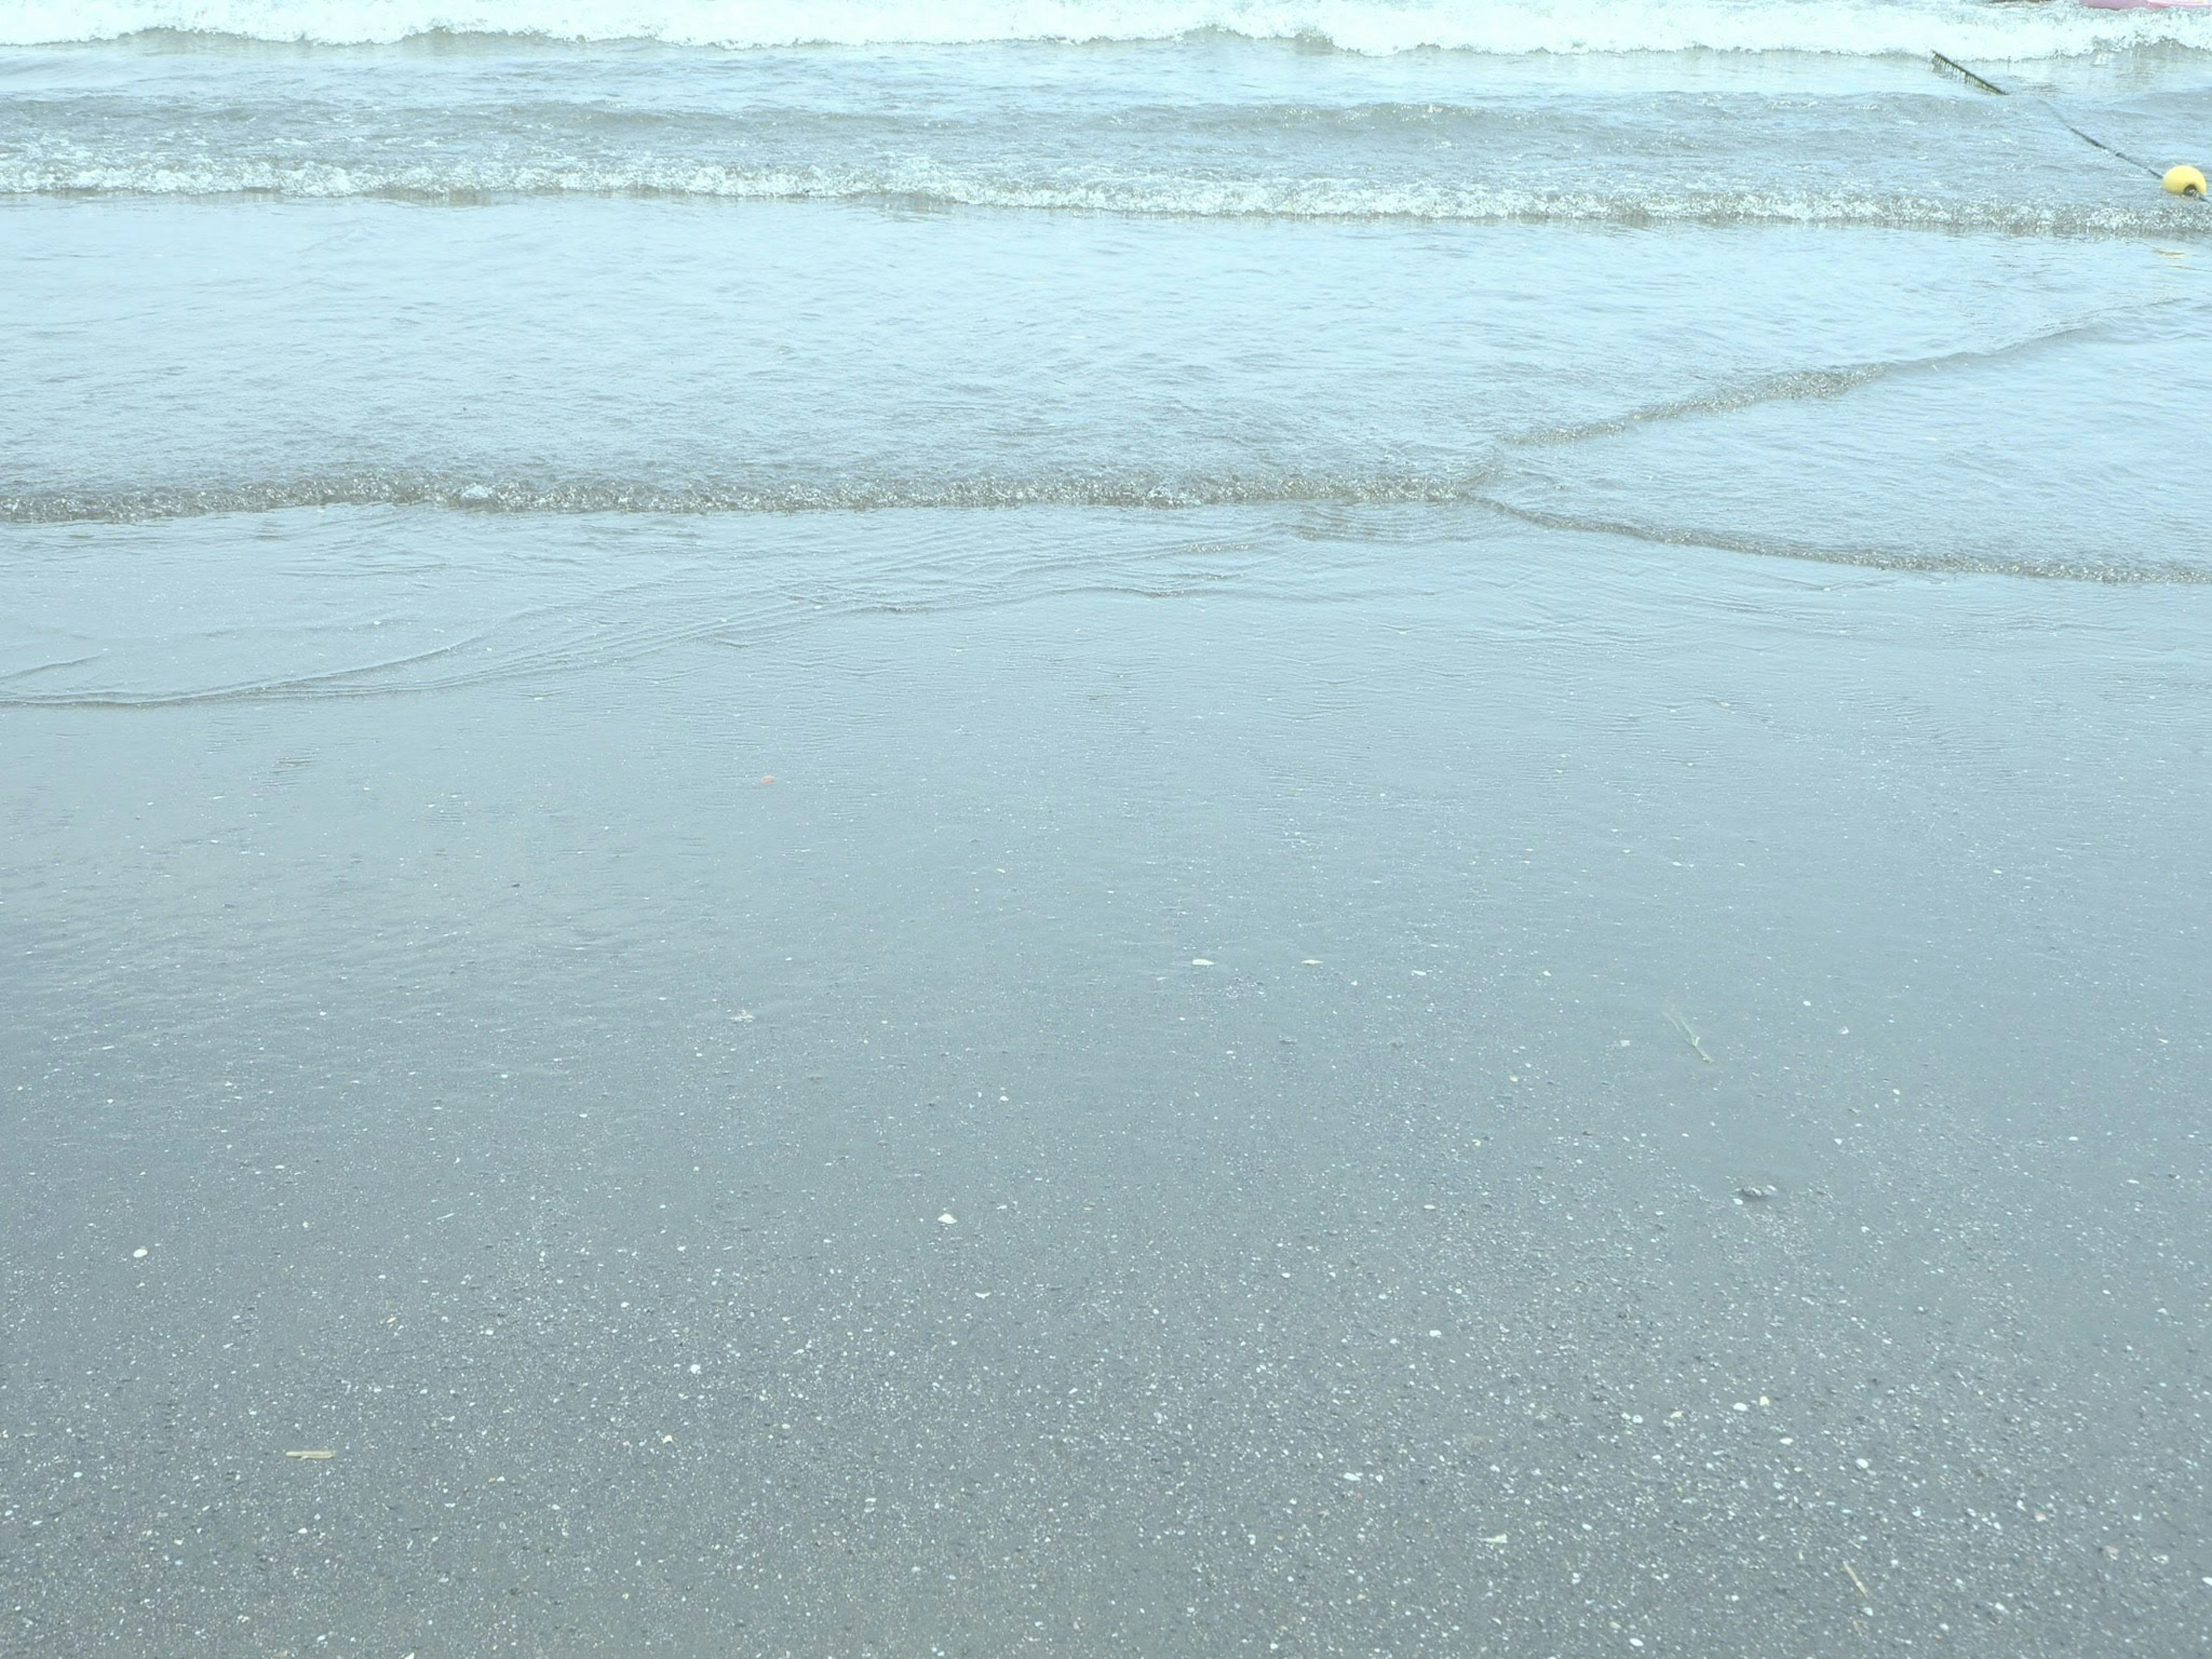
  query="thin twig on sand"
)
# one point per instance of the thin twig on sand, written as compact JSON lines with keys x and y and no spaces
{"x":1689,"y":1036}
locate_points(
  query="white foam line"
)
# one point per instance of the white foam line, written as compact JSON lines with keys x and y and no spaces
{"x":1860,"y":27}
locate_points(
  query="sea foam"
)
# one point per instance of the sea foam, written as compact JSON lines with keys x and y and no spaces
{"x":924,"y":184}
{"x":1864,"y":28}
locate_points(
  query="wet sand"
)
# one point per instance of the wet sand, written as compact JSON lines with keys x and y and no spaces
{"x":1657,"y":1109}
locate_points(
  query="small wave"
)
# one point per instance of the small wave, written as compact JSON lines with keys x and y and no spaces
{"x":1340,"y":492}
{"x":574,"y":497}
{"x":1928,"y":560}
{"x":922,"y":185}
{"x":1791,"y":386}
{"x":490,"y":600}
{"x":20,"y":689}
{"x":1861,"y":27}
{"x":319,"y":609}
{"x":1799,"y":386}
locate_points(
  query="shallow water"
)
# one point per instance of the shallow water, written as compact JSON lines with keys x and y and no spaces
{"x":1374,"y":837}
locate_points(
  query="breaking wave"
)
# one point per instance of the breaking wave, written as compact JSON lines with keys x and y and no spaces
{"x":1860,"y":27}
{"x":923,"y":185}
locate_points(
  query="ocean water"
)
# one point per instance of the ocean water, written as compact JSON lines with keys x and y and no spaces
{"x":1159,"y":828}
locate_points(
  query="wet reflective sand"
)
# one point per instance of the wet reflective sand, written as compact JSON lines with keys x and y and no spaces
{"x":1477,"y":1112}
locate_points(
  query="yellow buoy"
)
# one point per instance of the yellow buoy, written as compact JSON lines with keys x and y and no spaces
{"x":2184,"y":181}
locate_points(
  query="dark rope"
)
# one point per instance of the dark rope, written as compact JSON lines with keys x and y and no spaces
{"x":1989,"y":86}
{"x":2132,"y":161}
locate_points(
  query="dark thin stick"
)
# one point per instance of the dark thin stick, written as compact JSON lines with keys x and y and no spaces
{"x":1968,"y":74}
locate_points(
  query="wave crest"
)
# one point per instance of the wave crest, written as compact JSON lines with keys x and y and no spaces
{"x":1166,"y":195}
{"x":133,"y":505}
{"x":1858,"y":27}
